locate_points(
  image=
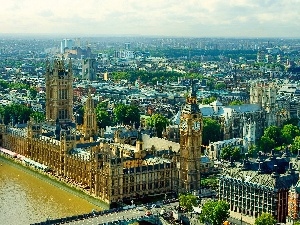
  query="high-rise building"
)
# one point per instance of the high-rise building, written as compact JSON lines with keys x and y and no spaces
{"x":66,"y":43}
{"x":127,"y":45}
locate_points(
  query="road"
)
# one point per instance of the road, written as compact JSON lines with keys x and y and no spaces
{"x":122,"y":215}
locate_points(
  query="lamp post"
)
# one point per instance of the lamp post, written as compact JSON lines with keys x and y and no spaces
{"x":241,"y":217}
{"x":242,"y":189}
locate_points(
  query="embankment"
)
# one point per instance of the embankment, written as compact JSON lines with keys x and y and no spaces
{"x":54,"y":181}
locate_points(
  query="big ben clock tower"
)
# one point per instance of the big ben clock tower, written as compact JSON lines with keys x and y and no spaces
{"x":190,"y":145}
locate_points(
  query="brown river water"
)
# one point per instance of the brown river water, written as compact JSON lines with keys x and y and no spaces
{"x":25,"y":199}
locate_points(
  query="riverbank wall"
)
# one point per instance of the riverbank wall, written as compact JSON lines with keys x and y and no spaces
{"x":54,"y":181}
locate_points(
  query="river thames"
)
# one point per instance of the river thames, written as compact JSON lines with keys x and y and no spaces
{"x":25,"y":199}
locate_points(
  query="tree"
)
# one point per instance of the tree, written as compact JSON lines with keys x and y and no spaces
{"x":32,"y":93}
{"x":274,"y":133}
{"x":209,"y":100}
{"x":214,"y":212}
{"x":296,"y":145}
{"x":187,"y":201}
{"x":126,"y":114}
{"x":38,"y":116}
{"x":236,"y":102}
{"x":266,"y":144}
{"x":265,"y":219}
{"x":252,"y":151}
{"x":293,"y":121}
{"x":289,"y":132}
{"x":159,"y":122}
{"x":211,"y":131}
{"x":16,"y":113}
{"x":120,"y":76}
{"x":229,"y":151}
{"x":211,"y":182}
{"x":102,"y":116}
{"x":220,"y":86}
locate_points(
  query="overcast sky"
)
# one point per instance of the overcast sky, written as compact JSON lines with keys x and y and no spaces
{"x":191,"y":18}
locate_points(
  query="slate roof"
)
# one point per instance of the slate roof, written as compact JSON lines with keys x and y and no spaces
{"x":276,"y":172}
{"x":273,"y":181}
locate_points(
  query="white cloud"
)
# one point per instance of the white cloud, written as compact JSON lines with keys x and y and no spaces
{"x":155,"y":17}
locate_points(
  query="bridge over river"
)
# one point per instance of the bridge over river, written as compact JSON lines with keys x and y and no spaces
{"x":107,"y":217}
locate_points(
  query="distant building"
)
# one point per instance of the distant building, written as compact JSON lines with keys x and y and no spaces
{"x":264,"y":94}
{"x":89,"y":69}
{"x":260,"y":58}
{"x":66,"y":44}
{"x":127,"y":45}
{"x":115,"y":166}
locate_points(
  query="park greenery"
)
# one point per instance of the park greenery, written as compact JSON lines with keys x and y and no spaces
{"x":230,"y":152}
{"x":211,"y":131}
{"x":121,"y":114}
{"x":102,"y":115}
{"x":214,"y":212}
{"x":187,"y":201}
{"x":220,"y":86}
{"x":126,"y":114}
{"x":161,"y":76}
{"x":236,"y":102}
{"x":38,"y":116}
{"x":207,"y":101}
{"x":18,"y":86}
{"x":210,"y":181}
{"x":277,"y":138}
{"x":265,"y":219}
{"x":159,"y":122}
{"x":146,"y":76}
{"x":18,"y":113}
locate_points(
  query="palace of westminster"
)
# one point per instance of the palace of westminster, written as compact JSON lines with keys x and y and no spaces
{"x":116,"y":170}
{"x":112,"y":171}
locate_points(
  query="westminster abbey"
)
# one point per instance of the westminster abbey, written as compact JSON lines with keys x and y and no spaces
{"x":112,"y":171}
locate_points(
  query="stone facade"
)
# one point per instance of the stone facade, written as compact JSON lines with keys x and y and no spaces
{"x":191,"y":126}
{"x":59,"y":92}
{"x":214,"y":149}
{"x":113,"y":170}
{"x":238,"y":121}
{"x":89,"y":69}
{"x":257,"y":186}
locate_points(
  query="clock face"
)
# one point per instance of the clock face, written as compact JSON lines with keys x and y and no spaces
{"x":196,"y":125}
{"x":183,"y":125}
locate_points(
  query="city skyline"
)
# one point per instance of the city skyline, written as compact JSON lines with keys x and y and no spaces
{"x":214,"y":18}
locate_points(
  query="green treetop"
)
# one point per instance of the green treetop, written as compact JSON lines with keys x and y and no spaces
{"x":159,"y":122}
{"x":265,"y":219}
{"x":214,"y":212}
